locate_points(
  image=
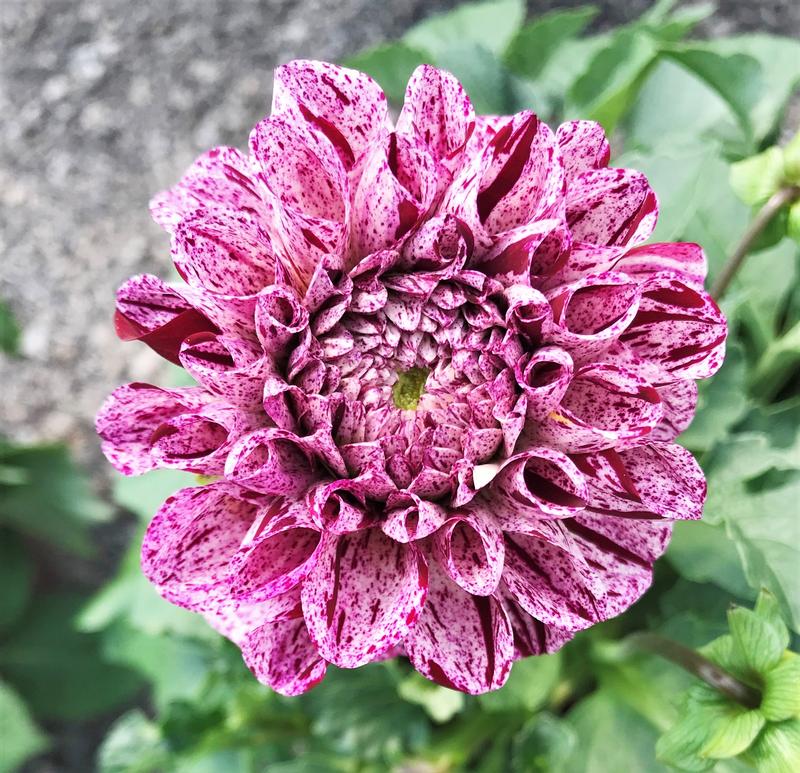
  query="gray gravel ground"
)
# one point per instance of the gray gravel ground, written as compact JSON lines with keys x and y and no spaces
{"x":105,"y":102}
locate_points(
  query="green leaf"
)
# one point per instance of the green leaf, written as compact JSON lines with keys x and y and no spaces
{"x":530,"y":684}
{"x":131,"y":598}
{"x":177,"y":667}
{"x":778,"y":57}
{"x":9,"y":330}
{"x":770,"y":546}
{"x":612,"y":80}
{"x":20,"y":738}
{"x":781,"y":693}
{"x":391,"y":64}
{"x":698,"y":117}
{"x":610,"y":736}
{"x":757,"y":641}
{"x":734,"y":733}
{"x":758,"y":296}
{"x":16,"y":576}
{"x":543,"y":745}
{"x":58,"y":669}
{"x":481,"y":73}
{"x":768,"y":609}
{"x":793,"y":222}
{"x":440,"y":703}
{"x":721,"y":403}
{"x":360,"y":712}
{"x":737,"y":78}
{"x":777,"y":365}
{"x":777,"y":749}
{"x":56,"y":503}
{"x":490,"y":24}
{"x":535,"y":43}
{"x":144,"y":494}
{"x":757,"y":178}
{"x":702,"y":552}
{"x":133,"y":745}
{"x":680,"y":23}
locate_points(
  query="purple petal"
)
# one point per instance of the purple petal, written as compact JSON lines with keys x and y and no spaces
{"x":220,"y":179}
{"x":151,"y":311}
{"x":282,"y":656}
{"x":346,"y":106}
{"x":583,"y":147}
{"x":469,"y":547}
{"x":363,"y":596}
{"x":611,"y":207}
{"x":461,"y":641}
{"x":277,"y":555}
{"x":678,"y":329}
{"x":132,"y":413}
{"x":604,"y":407}
{"x":190,"y":542}
{"x":271,"y":461}
{"x":651,"y":481}
{"x":438,"y":113}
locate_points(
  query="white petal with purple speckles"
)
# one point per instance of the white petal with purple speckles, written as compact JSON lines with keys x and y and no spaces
{"x":363,"y":596}
{"x":440,"y":376}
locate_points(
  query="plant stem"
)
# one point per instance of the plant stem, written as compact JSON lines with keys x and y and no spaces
{"x":698,"y":665}
{"x":776,"y":202}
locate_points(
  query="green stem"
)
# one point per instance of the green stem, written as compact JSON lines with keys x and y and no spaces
{"x":777,"y":201}
{"x":696,"y":664}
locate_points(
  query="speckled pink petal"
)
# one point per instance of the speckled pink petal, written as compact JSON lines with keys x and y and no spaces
{"x":531,"y":636}
{"x":686,"y":260}
{"x":222,"y":178}
{"x":528,"y":312}
{"x":611,"y":207}
{"x":226,"y":366}
{"x":541,"y":479}
{"x":548,"y":582}
{"x":518,"y":178}
{"x":469,"y":547}
{"x":652,"y":481}
{"x":621,"y":553}
{"x":199,"y":442}
{"x":544,"y":378}
{"x":583,"y":146}
{"x":679,"y":399}
{"x":282,"y":656}
{"x":224,"y":253}
{"x":151,"y":311}
{"x":271,"y":461}
{"x":522,"y":255}
{"x":438,"y":113}
{"x":340,"y":506}
{"x":397,"y":186}
{"x":604,"y":407}
{"x":132,"y":413}
{"x":190,"y":542}
{"x":235,"y":619}
{"x":277,"y":555}
{"x":346,"y":106}
{"x":461,"y":641}
{"x":591,"y":313}
{"x":363,"y":596}
{"x":678,"y":329}
{"x":309,"y":192}
{"x":279,"y":318}
{"x":407,"y":522}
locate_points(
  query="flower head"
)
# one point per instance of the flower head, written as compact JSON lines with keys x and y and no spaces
{"x":439,"y":378}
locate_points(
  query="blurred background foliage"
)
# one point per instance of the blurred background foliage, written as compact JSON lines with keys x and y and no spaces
{"x":706,"y":120}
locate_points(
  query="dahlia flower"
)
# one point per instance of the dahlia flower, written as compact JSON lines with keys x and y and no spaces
{"x":439,"y":378}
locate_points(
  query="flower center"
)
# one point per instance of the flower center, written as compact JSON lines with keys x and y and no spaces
{"x":409,"y":387}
